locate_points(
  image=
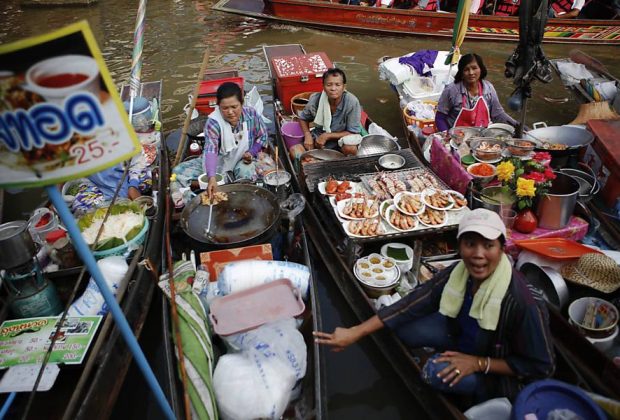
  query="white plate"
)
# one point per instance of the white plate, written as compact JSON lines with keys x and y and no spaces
{"x":445,"y":220}
{"x":384,"y":206}
{"x":377,"y":283}
{"x":398,"y":196}
{"x":321,"y":187}
{"x":459,"y":195}
{"x":345,"y":225}
{"x":334,"y":203}
{"x":387,"y":219}
{"x":486,"y":161}
{"x":343,"y":203}
{"x":431,"y":191}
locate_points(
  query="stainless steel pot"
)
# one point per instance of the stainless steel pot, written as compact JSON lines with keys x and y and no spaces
{"x":16,"y":244}
{"x":588,"y":184}
{"x":555,"y":208}
{"x":250,"y":215}
{"x":549,"y":282}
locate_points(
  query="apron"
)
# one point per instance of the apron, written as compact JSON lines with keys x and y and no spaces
{"x":477,"y":116}
{"x":226,"y":162}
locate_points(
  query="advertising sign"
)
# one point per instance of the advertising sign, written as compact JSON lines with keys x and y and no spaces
{"x":25,"y":341}
{"x":60,"y":115}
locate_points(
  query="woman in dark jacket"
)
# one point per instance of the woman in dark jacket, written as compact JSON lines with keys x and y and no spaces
{"x":491,"y":327}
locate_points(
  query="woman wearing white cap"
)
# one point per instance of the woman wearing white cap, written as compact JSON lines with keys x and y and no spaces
{"x":491,"y":329}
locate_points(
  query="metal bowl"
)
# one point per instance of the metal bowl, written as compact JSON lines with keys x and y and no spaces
{"x":391,"y":161}
{"x":375,"y":144}
{"x":549,"y":282}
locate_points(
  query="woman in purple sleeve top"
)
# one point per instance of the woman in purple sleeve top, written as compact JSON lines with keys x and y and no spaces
{"x":471,"y":101}
{"x":233,"y":132}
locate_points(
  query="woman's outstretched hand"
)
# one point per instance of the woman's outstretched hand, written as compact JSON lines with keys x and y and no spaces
{"x":339,"y":339}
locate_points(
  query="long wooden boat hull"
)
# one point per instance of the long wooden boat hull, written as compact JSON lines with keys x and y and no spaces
{"x":347,"y":18}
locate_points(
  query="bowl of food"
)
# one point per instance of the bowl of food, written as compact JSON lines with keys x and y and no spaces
{"x":391,"y":161}
{"x":377,"y":274}
{"x":71,"y":189}
{"x":594,"y":317}
{"x":520,"y":147}
{"x":482,"y":172}
{"x":486,"y":149}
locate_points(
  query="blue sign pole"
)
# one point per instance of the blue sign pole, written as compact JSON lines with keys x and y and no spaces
{"x":87,"y":257}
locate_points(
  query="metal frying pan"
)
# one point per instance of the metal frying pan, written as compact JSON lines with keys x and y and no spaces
{"x":249,"y":214}
{"x":322,"y":154}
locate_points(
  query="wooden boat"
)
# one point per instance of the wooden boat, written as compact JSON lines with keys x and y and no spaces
{"x":349,"y":18}
{"x":312,"y":400}
{"x":578,"y":361}
{"x":90,"y":390}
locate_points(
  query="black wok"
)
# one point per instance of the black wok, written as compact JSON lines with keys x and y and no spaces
{"x":250,"y":216}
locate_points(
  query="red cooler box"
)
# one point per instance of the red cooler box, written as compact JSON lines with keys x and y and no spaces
{"x":299,"y":73}
{"x":207,"y":90}
{"x":607,"y":147}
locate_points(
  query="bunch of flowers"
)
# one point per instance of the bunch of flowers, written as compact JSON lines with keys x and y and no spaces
{"x":526,"y":179}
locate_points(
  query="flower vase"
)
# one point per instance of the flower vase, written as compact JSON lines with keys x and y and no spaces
{"x":526,"y":221}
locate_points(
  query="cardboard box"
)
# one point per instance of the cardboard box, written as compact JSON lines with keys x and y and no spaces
{"x":299,"y":73}
{"x":215,"y":261}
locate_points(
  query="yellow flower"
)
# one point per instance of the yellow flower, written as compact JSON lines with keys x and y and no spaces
{"x":525,"y":187}
{"x":505,"y":170}
{"x":173,"y":177}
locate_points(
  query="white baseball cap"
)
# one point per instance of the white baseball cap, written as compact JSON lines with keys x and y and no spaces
{"x":484,"y":222}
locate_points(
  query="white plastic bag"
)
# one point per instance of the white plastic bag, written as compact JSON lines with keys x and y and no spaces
{"x":241,"y":275}
{"x":253,"y":99}
{"x":258,"y":381}
{"x":91,"y":302}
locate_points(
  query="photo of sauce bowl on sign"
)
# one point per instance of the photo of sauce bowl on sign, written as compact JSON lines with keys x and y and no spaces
{"x":58,"y":77}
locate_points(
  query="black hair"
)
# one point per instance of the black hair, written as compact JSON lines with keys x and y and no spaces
{"x":501,"y":238}
{"x":335,"y":72}
{"x":227,"y":90}
{"x":467,"y":59}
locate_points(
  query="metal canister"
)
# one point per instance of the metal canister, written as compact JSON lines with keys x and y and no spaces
{"x":29,"y":292}
{"x":278,"y":182}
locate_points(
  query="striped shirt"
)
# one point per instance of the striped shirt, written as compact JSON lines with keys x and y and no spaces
{"x":522,"y":336}
{"x":257,"y":133}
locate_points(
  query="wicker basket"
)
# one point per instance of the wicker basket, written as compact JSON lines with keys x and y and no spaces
{"x":420,"y":122}
{"x":299,"y":101}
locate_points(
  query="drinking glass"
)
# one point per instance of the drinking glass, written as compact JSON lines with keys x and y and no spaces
{"x":508,"y":217}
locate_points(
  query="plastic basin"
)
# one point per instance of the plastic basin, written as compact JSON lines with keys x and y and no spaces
{"x":292,"y":133}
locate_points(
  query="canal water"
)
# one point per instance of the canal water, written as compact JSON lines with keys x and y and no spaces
{"x":360,"y":383}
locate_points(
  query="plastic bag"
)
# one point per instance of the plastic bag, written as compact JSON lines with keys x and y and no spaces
{"x":241,"y":275}
{"x":253,"y":99}
{"x":258,"y":381}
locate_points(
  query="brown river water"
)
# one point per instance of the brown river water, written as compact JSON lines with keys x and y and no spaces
{"x":360,"y":383}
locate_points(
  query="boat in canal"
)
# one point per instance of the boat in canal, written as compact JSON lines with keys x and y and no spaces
{"x":91,"y":389}
{"x":390,"y":21}
{"x":280,"y":239}
{"x":578,"y":361}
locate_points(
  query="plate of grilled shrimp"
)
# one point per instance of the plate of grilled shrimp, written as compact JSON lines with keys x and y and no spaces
{"x":437,"y":199}
{"x":399,"y":220}
{"x":459,"y":200}
{"x":363,"y":228}
{"x":433,"y":218}
{"x":358,"y":208}
{"x":409,"y":203}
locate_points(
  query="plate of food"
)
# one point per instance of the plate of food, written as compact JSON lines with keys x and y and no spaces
{"x":358,"y":208}
{"x":400,"y":221}
{"x":437,"y":199}
{"x":334,"y":199}
{"x":409,"y":203}
{"x":459,"y":200}
{"x":384,"y":206}
{"x":433,"y":218}
{"x":363,"y":228}
{"x":333,"y":187}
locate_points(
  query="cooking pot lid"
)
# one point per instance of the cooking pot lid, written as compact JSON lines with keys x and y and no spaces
{"x":249,"y":212}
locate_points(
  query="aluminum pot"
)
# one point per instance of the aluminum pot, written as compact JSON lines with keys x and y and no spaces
{"x":16,"y":244}
{"x":555,"y":208}
{"x":548,"y":281}
{"x":588,"y":184}
{"x":492,"y":198}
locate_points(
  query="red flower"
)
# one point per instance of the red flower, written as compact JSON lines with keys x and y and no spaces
{"x":536,"y":176}
{"x":542,"y":157}
{"x":549,"y":174}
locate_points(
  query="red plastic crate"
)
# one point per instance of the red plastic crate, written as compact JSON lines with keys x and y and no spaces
{"x":299,"y":73}
{"x":206,"y":93}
